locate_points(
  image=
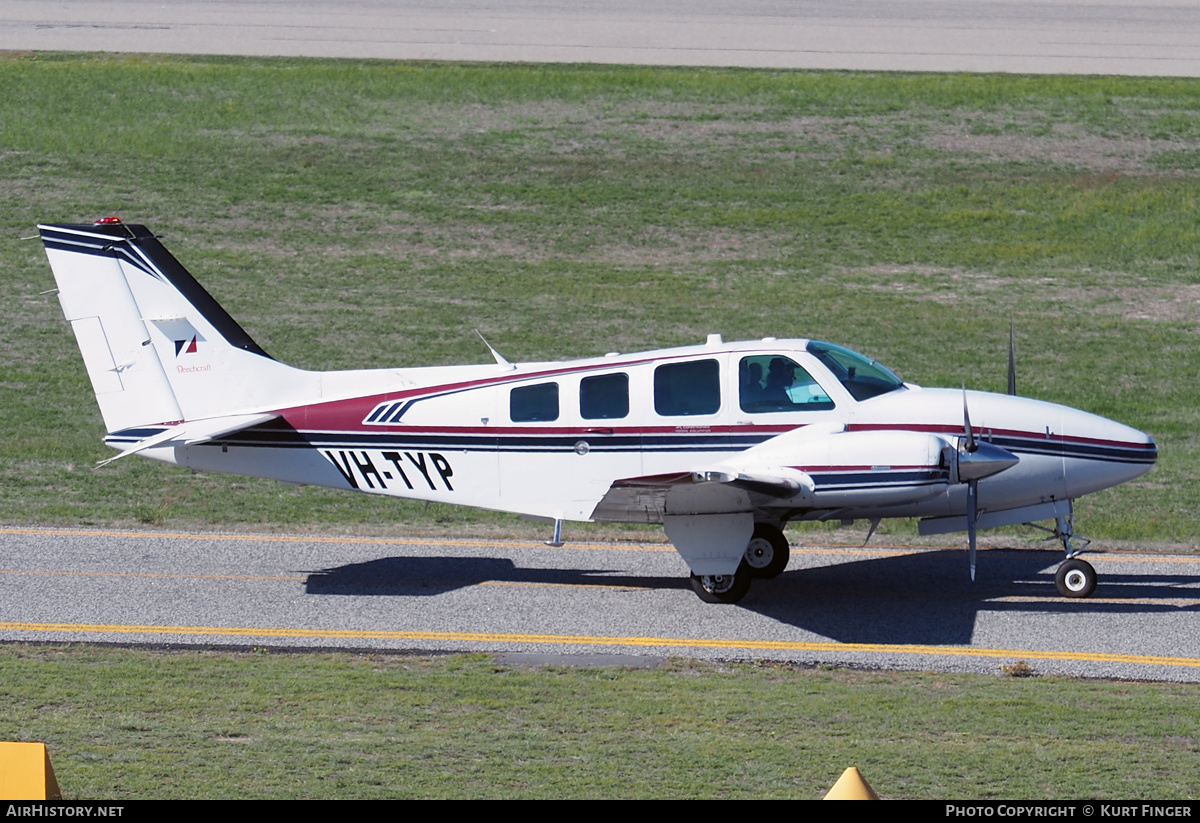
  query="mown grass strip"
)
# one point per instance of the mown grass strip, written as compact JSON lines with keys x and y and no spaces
{"x":126,"y":724}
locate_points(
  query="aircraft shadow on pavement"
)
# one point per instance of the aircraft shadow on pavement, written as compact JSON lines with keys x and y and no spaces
{"x":923,"y":598}
{"x":426,"y":576}
{"x":928,"y":597}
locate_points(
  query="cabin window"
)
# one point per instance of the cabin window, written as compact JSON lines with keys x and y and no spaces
{"x":687,"y":388}
{"x":774,"y":383}
{"x":533,"y":404}
{"x":604,"y":397}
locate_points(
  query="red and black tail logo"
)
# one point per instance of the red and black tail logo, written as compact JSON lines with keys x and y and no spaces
{"x":185,"y":346}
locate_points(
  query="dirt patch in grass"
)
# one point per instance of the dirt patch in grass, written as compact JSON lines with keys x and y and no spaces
{"x":1136,"y":301}
{"x":933,"y":283}
{"x":1108,"y":293}
{"x":649,"y":118}
{"x":1062,"y":144}
{"x":657,"y":246}
{"x":689,"y":127}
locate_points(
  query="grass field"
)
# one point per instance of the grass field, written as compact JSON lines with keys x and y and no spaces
{"x":355,"y":214}
{"x":360,"y":214}
{"x":125,"y":724}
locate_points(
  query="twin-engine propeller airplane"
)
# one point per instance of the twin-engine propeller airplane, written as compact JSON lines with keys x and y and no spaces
{"x":722,"y":443}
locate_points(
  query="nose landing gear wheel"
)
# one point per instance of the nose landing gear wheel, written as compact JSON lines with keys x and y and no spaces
{"x":722,"y":588}
{"x":767,"y":552}
{"x":1075,"y":578}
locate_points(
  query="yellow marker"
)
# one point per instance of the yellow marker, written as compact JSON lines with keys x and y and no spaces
{"x":26,"y":773}
{"x":851,"y":786}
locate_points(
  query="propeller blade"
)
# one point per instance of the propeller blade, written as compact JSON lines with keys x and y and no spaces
{"x":972,"y":516}
{"x":1012,"y":360}
{"x":976,"y":460}
{"x":967,"y":432}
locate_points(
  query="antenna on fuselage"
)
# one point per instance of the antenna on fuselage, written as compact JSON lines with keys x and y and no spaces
{"x":1012,"y":360}
{"x":500,"y":361}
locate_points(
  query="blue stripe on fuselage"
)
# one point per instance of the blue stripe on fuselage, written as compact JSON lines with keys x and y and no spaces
{"x":660,"y":442}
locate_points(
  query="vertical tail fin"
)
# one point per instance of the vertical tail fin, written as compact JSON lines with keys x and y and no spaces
{"x":158,"y":348}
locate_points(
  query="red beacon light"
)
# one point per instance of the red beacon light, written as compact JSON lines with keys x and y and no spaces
{"x":108,"y":221}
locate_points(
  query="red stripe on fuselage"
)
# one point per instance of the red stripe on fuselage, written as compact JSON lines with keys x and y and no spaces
{"x":334,"y":414}
{"x":957,"y":431}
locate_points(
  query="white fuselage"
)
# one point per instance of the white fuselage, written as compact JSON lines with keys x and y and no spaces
{"x":533,"y":439}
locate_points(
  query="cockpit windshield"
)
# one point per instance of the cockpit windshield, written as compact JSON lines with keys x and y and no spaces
{"x":863,"y":378}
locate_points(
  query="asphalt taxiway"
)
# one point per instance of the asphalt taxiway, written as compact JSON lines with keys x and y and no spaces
{"x":884,"y":607}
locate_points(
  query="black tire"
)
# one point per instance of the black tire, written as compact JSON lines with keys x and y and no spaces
{"x":722,"y":588}
{"x":767,"y":552}
{"x":1075,"y":578}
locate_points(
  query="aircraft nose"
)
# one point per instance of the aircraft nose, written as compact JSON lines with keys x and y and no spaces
{"x":1099,"y":453}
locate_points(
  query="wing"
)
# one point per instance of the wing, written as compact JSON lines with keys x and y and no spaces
{"x":718,"y":491}
{"x":814,"y":468}
{"x":709,"y":513}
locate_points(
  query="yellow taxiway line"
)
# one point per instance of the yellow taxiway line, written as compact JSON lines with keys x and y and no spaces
{"x":250,"y":632}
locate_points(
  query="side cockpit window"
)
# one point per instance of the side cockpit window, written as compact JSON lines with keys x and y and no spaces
{"x":862,"y":377}
{"x":533,"y":404}
{"x":774,"y":383}
{"x":687,"y":388}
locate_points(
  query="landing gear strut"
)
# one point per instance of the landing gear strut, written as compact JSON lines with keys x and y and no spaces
{"x":1075,"y":577}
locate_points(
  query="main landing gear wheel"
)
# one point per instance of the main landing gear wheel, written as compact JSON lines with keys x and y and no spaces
{"x":722,"y":588}
{"x":767,"y":552}
{"x":1075,"y":578}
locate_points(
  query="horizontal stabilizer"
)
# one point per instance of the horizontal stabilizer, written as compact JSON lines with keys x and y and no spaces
{"x":192,"y":432}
